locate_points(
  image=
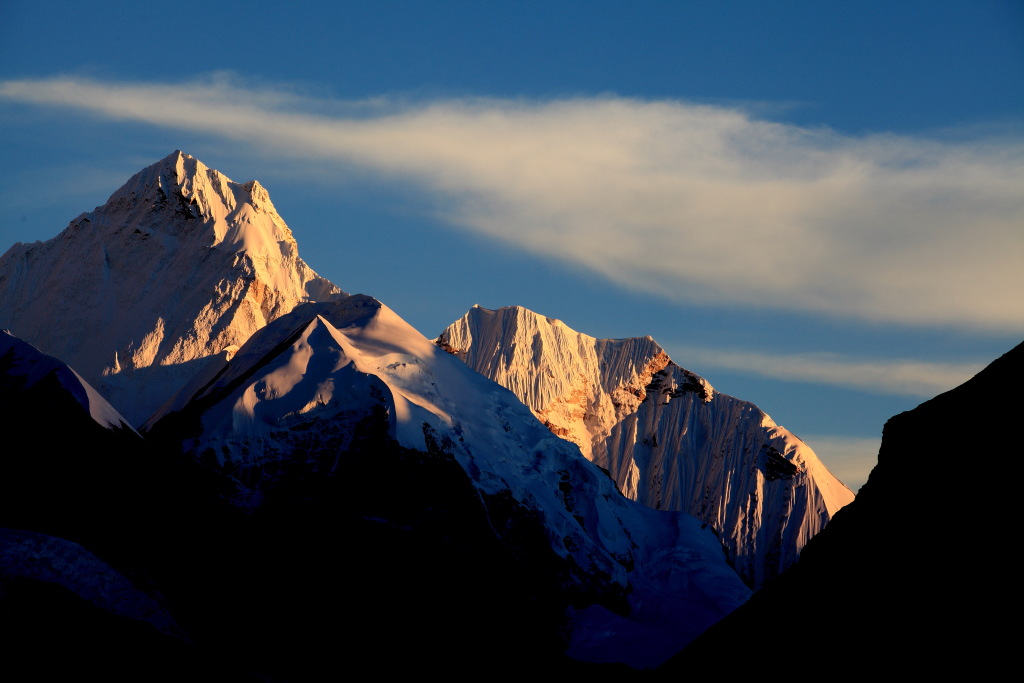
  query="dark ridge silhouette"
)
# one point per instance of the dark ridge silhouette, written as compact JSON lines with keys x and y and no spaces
{"x":912,"y":573}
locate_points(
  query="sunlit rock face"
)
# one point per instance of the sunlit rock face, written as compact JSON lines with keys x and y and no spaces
{"x":180,"y":263}
{"x":668,"y":439}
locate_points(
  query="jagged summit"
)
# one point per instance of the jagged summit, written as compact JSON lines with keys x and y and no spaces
{"x":179,"y":264}
{"x":576,"y":384}
{"x":667,"y":438}
{"x":226,"y":209}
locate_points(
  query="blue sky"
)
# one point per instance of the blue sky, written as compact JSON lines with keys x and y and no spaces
{"x":817,"y":206}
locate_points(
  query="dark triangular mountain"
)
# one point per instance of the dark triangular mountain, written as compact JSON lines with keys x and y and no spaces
{"x":913,"y":564}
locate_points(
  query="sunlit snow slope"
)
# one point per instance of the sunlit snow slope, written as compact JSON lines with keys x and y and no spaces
{"x":666,"y":436}
{"x":180,"y":263}
{"x":306,"y":386}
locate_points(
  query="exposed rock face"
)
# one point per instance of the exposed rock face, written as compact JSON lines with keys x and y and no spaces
{"x":577,"y":386}
{"x":180,"y":263}
{"x":926,"y":599}
{"x":666,"y":437}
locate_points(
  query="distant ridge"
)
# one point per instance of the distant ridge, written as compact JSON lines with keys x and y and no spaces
{"x":24,"y":368}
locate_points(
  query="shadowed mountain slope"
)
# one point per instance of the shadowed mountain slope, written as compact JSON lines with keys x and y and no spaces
{"x":913,"y":563}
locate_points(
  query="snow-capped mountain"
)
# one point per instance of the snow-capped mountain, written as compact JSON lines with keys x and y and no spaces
{"x":178,"y":265}
{"x":303,"y":448}
{"x":667,"y":438}
{"x":329,"y":378}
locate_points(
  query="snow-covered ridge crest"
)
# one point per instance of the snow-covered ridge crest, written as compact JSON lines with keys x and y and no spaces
{"x":179,"y":264}
{"x":338,"y":358}
{"x":662,"y":432}
{"x":576,"y":385}
{"x":304,"y":388}
{"x":23,"y":364}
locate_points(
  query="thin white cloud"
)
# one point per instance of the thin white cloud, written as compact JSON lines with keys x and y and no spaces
{"x":701,"y":204}
{"x":894,"y":377}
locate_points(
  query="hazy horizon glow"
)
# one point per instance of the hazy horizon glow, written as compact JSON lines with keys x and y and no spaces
{"x":693,"y":203}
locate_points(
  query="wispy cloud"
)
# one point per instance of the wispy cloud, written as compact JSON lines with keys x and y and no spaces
{"x":895,"y":377}
{"x":703,"y":204}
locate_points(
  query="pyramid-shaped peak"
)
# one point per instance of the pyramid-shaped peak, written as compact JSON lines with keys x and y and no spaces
{"x":180,"y":194}
{"x":177,"y":156}
{"x":178,"y":264}
{"x":175,"y":169}
{"x":177,"y":172}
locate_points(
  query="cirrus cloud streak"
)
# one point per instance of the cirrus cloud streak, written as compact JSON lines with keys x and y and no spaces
{"x":894,"y":377}
{"x":698,"y":204}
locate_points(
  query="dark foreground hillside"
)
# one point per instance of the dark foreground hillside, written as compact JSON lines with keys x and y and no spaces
{"x":915,"y":573}
{"x":120,"y":560}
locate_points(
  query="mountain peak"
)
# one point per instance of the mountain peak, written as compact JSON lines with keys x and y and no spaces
{"x":666,"y":437}
{"x":180,"y":263}
{"x":330,"y":383}
{"x":181,"y":195}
